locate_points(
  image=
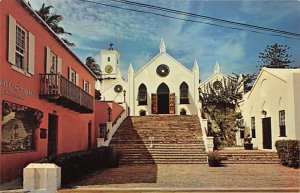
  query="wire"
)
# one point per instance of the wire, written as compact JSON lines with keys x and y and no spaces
{"x":189,"y":20}
{"x":205,"y":17}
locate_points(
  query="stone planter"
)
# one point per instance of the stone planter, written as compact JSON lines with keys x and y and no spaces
{"x":248,"y":146}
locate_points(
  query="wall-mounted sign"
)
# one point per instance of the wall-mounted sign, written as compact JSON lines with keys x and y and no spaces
{"x":43,"y":133}
{"x":15,"y":91}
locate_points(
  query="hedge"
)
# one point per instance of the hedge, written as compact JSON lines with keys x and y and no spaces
{"x":77,"y":164}
{"x":288,"y":152}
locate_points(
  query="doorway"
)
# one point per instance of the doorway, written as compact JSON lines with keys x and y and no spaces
{"x":90,"y":135}
{"x":52,"y":134}
{"x":163,"y":102}
{"x":267,"y":133}
{"x":163,"y":99}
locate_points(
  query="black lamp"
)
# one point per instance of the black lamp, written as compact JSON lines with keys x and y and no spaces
{"x":109,"y":112}
{"x":124,"y":92}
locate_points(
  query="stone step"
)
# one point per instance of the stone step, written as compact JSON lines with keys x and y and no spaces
{"x":177,"y":139}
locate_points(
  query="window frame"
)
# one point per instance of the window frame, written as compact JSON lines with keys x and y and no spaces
{"x":253,"y":128}
{"x":184,"y":93}
{"x":142,"y":95}
{"x":86,"y":86}
{"x":24,"y":65}
{"x":282,"y":125}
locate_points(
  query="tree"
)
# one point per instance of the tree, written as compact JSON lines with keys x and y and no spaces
{"x":90,"y":62}
{"x":248,"y":80}
{"x":220,"y":103}
{"x":52,"y":20}
{"x":275,"y":56}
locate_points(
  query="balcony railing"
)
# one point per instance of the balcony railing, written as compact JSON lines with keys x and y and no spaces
{"x":60,"y":90}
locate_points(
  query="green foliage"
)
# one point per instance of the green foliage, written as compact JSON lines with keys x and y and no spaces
{"x":220,"y":105}
{"x":288,"y":152}
{"x":215,"y":159}
{"x":77,"y":164}
{"x":90,"y":62}
{"x":275,"y":56}
{"x":53,"y":20}
{"x":248,"y":80}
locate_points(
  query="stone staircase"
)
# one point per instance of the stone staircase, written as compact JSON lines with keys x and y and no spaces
{"x":175,"y":140}
{"x":240,"y":156}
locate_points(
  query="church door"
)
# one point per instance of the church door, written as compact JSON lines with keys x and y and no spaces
{"x":172,"y":103}
{"x":154,"y":103}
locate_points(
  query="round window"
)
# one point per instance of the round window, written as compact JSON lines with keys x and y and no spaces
{"x":162,"y":70}
{"x":118,"y":88}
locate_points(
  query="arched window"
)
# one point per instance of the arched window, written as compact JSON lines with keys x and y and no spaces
{"x":184,"y":93}
{"x":142,"y":95}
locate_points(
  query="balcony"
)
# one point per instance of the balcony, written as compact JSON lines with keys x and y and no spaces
{"x":56,"y":88}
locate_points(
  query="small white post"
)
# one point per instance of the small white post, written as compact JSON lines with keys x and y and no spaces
{"x":151,"y":140}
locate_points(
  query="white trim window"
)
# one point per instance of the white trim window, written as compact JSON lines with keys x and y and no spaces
{"x":282,"y":129}
{"x":253,"y":133}
{"x":20,"y":60}
{"x":21,"y":47}
{"x":53,"y":62}
{"x":73,"y":76}
{"x":86,"y":86}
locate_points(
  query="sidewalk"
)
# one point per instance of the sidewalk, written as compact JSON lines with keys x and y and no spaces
{"x":189,"y":178}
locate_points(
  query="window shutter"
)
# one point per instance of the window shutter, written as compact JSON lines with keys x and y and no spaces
{"x":11,"y":40}
{"x":31,"y":51}
{"x":59,"y":65}
{"x":48,"y":60}
{"x":77,"y":79}
{"x":70,"y":73}
{"x":89,"y":88}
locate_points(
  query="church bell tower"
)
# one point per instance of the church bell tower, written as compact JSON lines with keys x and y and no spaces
{"x":110,"y":63}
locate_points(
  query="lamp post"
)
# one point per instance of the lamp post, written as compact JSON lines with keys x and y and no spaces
{"x":109,"y":112}
{"x":124,"y":92}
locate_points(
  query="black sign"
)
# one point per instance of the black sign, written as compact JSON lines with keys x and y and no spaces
{"x":43,"y":133}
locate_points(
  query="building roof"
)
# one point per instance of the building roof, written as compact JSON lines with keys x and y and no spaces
{"x":280,"y":73}
{"x":62,"y":43}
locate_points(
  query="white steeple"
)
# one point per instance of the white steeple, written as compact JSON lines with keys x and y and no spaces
{"x":162,"y":46}
{"x":196,"y":66}
{"x":130,"y":68}
{"x":218,"y":68}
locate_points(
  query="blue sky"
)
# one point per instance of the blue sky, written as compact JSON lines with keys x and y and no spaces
{"x":95,"y":26}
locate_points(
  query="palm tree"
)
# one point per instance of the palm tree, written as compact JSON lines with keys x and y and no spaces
{"x":95,"y":68}
{"x":52,"y":20}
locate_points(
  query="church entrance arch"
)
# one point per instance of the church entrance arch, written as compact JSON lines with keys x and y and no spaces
{"x":162,"y":101}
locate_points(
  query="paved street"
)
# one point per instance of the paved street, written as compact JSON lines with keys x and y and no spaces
{"x":272,"y":177}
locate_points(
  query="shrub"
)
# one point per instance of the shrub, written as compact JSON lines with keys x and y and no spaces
{"x":77,"y":164}
{"x":215,"y":159}
{"x":142,"y":112}
{"x":182,"y":111}
{"x":288,"y":152}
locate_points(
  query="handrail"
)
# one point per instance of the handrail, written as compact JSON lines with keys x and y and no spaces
{"x":118,"y":117}
{"x":56,"y":86}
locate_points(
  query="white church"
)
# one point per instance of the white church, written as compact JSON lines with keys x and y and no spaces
{"x":162,"y":86}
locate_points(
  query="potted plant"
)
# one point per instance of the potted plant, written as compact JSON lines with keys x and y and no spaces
{"x":182,"y":111}
{"x":215,"y":159}
{"x":142,"y":112}
{"x":247,"y":143}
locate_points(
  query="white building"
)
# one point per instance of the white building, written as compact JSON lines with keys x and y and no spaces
{"x":271,"y":110}
{"x":161,"y":86}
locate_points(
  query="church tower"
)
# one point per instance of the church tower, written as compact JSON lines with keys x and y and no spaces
{"x":110,"y":63}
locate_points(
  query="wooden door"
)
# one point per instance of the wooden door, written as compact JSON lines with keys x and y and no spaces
{"x":52,"y":134}
{"x":267,"y":133}
{"x":154,"y":103}
{"x":172,"y":103}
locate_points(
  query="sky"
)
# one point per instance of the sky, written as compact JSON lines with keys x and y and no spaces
{"x":137,"y":35}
